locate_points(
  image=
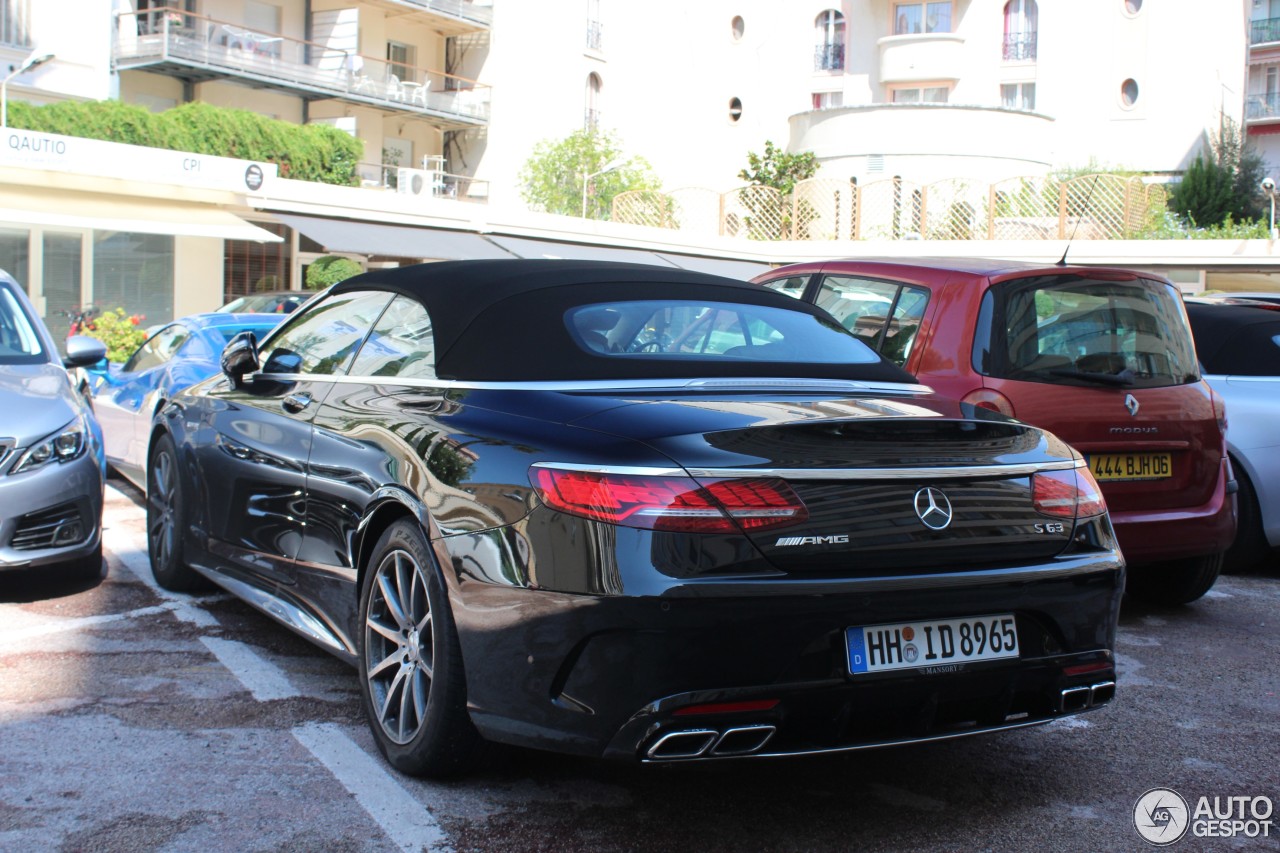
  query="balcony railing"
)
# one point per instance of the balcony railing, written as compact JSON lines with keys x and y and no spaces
{"x":828,"y":57}
{"x":433,"y":183}
{"x":462,"y":10}
{"x":1262,"y":107}
{"x":595,"y":35}
{"x":1019,"y":47}
{"x":198,"y":49}
{"x":1264,"y":31}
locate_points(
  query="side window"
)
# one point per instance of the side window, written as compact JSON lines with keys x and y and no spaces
{"x":401,"y":344}
{"x":884,"y":315}
{"x":323,"y":339}
{"x":158,"y":349}
{"x":792,"y":285}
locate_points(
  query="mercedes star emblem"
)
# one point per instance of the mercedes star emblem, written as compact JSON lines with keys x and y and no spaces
{"x":933,"y":508}
{"x":1131,"y":403}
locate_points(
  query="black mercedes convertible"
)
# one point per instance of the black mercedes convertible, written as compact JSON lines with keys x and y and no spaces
{"x":633,"y":512}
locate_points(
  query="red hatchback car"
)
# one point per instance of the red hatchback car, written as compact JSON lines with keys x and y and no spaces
{"x":1102,"y":357}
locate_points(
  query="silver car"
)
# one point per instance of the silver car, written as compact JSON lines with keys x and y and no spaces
{"x":52,"y":466}
{"x":1239,"y":348}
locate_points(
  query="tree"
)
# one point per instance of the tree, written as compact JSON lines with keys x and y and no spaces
{"x":330,"y":269}
{"x":771,"y":212}
{"x":778,"y":169}
{"x":552,"y":178}
{"x":1224,"y":185}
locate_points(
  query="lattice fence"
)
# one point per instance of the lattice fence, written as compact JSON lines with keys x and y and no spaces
{"x":1089,"y":207}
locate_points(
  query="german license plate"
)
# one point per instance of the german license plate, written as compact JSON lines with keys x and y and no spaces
{"x":1131,"y":466}
{"x":907,"y":645}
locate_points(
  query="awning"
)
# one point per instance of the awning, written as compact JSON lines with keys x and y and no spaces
{"x":72,"y":209}
{"x":727,"y":267}
{"x":525,"y":248}
{"x":395,"y":241}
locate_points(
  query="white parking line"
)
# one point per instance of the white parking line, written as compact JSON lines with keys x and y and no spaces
{"x":43,"y":629}
{"x":264,"y":679}
{"x":406,"y":821}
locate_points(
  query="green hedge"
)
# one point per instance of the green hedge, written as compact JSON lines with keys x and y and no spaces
{"x":313,"y":152}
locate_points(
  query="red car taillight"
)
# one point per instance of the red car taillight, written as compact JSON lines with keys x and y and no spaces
{"x":1067,"y":494}
{"x":986,"y":398}
{"x":675,"y":504}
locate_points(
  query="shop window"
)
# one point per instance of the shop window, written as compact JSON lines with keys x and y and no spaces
{"x":60,"y":282}
{"x":253,"y":267}
{"x":15,"y":255}
{"x":134,"y":272}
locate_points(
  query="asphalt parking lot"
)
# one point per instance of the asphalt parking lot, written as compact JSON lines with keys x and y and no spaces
{"x":133,"y":719}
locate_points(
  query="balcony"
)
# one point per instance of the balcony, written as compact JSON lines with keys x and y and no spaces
{"x":921,"y":57}
{"x":431,"y":182}
{"x":828,"y":57}
{"x":1262,"y":109}
{"x":198,"y":49}
{"x":1265,"y":31}
{"x":1019,"y":47}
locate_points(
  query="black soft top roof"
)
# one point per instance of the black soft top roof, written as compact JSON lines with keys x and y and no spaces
{"x":1236,"y":339}
{"x":503,"y":320}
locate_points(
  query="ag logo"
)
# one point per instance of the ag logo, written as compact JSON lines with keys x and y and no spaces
{"x":1161,"y":816}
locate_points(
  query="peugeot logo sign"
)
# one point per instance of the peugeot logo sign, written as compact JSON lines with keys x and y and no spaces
{"x":1131,"y":403}
{"x":933,"y":508}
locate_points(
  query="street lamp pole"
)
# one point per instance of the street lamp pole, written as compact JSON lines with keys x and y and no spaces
{"x":28,"y":64}
{"x":586,"y":181}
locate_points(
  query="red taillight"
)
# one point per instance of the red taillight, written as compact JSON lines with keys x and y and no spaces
{"x":1067,"y":494}
{"x":985,"y":398}
{"x":676,"y":504}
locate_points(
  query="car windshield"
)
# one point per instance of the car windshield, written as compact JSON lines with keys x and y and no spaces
{"x":1072,"y":330}
{"x":19,"y":342}
{"x":697,"y":330}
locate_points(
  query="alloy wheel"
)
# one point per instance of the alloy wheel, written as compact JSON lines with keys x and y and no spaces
{"x":398,"y":647}
{"x":162,"y":528}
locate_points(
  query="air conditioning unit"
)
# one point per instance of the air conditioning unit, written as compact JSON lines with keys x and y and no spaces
{"x":414,"y":181}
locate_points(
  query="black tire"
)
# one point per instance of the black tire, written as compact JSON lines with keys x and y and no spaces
{"x":1250,"y":545}
{"x":412,"y":683}
{"x":86,"y":568}
{"x":1176,"y":581}
{"x":165,"y":519}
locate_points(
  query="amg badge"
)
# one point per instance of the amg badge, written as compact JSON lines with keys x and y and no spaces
{"x":838,"y":539}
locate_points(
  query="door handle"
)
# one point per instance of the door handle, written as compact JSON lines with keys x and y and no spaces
{"x":295,"y":403}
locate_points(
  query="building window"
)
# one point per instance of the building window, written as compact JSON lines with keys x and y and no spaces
{"x":739,"y":27}
{"x":827,"y":100}
{"x":912,"y":18}
{"x":923,"y":95}
{"x":1129,"y":92}
{"x":1021,"y":22}
{"x":262,"y":18}
{"x":15,"y":23}
{"x":591,"y":122}
{"x":829,"y":31}
{"x":595,"y":30}
{"x":735,"y":109}
{"x":62,"y":255}
{"x":1133,"y":7}
{"x":401,"y":61}
{"x":1018,"y":96}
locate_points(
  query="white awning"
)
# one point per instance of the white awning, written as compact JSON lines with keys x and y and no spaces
{"x":393,"y":241}
{"x":528,"y":248}
{"x":72,"y":209}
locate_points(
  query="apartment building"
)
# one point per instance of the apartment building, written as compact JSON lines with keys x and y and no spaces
{"x":449,"y":97}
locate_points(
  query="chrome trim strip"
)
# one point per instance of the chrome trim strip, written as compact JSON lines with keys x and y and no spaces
{"x":931,"y":473}
{"x":279,"y":609}
{"x":745,"y":384}
{"x":856,"y":747}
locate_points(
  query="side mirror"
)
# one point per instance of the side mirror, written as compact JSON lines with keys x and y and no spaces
{"x":83,"y":351}
{"x":240,"y":356}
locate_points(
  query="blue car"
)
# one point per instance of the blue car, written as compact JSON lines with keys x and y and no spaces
{"x":182,"y":353}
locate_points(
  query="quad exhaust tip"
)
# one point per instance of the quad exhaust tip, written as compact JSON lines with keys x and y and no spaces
{"x":1076,"y":699}
{"x":711,"y":743}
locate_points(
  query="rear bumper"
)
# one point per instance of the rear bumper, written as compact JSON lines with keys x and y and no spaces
{"x":612,"y":676}
{"x":1148,"y":536}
